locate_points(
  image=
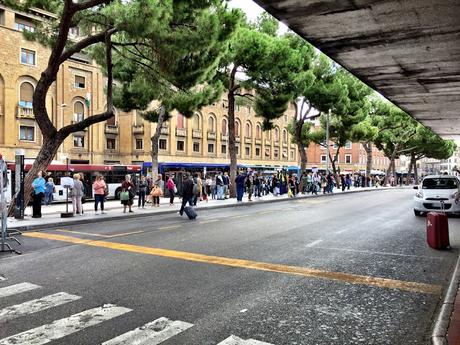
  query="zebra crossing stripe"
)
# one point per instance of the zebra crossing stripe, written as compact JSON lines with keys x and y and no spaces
{"x":17,"y":288}
{"x":36,"y":305}
{"x":152,"y":333}
{"x":63,"y":327}
{"x":233,"y":340}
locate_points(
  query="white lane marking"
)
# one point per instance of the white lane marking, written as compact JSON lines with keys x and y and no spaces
{"x":209,"y":221}
{"x":152,"y":333}
{"x":341,"y":231}
{"x":381,"y":253}
{"x":17,"y":288}
{"x":36,"y":305}
{"x":63,"y":327}
{"x":233,"y":340}
{"x":314,"y":243}
{"x":2,"y":278}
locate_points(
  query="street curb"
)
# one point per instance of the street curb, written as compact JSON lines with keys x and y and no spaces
{"x":144,"y":215}
{"x":438,"y":336}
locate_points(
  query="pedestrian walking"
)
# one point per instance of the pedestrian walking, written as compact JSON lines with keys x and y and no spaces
{"x":187,"y":192}
{"x":77,"y":193}
{"x":127,"y":193}
{"x":250,"y":186}
{"x":141,"y":191}
{"x":172,"y":189}
{"x":49,"y":190}
{"x":38,"y":186}
{"x":100,"y":192}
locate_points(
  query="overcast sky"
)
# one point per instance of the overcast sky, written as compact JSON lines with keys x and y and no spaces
{"x":252,"y":10}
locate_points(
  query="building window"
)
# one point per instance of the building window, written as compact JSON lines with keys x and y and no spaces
{"x":224,"y":127}
{"x":237,"y":150}
{"x":74,"y":31}
{"x":258,"y":132}
{"x":348,"y":159}
{"x":285,"y":136}
{"x":292,"y":154}
{"x":139,"y":144}
{"x":78,"y":111}
{"x":111,"y":144}
{"x":180,"y":121}
{"x":257,"y":151}
{"x":247,"y":151}
{"x":78,"y":141}
{"x":27,"y":57}
{"x":180,"y":145}
{"x":23,"y":24}
{"x":276,"y":154}
{"x":79,"y":82}
{"x":277,"y":135}
{"x":323,"y":158}
{"x":335,"y":146}
{"x":223,"y":149}
{"x":27,"y":133}
{"x":26,"y":93}
{"x":162,"y":144}
{"x":210,"y":148}
{"x":211,"y":124}
{"x":237,"y":128}
{"x":348,"y":145}
{"x":196,"y":147}
{"x":196,"y":122}
{"x":248,"y":130}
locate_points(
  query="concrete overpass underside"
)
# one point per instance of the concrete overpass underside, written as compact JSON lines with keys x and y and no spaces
{"x":408,"y":50}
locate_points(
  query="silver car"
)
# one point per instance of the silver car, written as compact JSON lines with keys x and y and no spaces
{"x":434,"y":191}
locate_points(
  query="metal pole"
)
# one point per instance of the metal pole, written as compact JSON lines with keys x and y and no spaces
{"x":327,"y":140}
{"x":2,"y":206}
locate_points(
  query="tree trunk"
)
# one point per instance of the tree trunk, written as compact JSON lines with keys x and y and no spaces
{"x":409,"y":172}
{"x":413,"y":160}
{"x":44,"y":158}
{"x":231,"y":133}
{"x":368,"y":148}
{"x":154,"y":140}
{"x":300,"y":146}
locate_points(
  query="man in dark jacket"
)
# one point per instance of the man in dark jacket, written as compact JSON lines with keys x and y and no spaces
{"x":187,"y":192}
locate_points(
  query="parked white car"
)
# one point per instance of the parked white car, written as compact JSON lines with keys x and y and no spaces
{"x":435,"y":189}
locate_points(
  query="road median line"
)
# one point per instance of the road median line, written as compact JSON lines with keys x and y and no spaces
{"x":386,"y":283}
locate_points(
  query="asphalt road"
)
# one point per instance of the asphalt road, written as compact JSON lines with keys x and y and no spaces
{"x":347,"y":269}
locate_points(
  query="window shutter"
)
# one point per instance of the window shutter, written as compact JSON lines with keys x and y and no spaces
{"x":27,"y":92}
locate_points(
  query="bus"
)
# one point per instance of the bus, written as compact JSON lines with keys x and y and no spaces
{"x":114,"y":175}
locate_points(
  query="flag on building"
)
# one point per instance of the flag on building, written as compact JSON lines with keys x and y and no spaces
{"x":88,"y":99}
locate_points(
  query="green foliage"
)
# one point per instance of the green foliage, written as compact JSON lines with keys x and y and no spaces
{"x":267,"y":24}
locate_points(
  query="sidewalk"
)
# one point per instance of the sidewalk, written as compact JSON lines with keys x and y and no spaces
{"x":51,"y":215}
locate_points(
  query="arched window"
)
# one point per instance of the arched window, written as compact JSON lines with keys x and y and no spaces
{"x":224,"y":126}
{"x":277,"y":134}
{"x":78,"y":111}
{"x":180,"y":121}
{"x":26,"y":94}
{"x":237,"y":128}
{"x":248,"y":130}
{"x":196,"y":122}
{"x":285,"y":136}
{"x":211,"y":123}
{"x":258,"y":132}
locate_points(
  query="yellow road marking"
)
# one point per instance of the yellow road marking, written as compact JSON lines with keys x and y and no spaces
{"x":314,"y":202}
{"x":239,"y":216}
{"x":209,"y":221}
{"x":261,"y":266}
{"x":99,"y":235}
{"x":267,"y":212}
{"x":170,"y":227}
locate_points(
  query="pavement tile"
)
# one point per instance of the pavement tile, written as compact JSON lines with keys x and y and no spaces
{"x":453,"y":335}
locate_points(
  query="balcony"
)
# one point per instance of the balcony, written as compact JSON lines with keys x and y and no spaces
{"x":248,"y":140}
{"x":181,"y":132}
{"x":196,"y":134}
{"x":138,"y":129}
{"x":212,"y":135}
{"x":25,"y":113}
{"x":164,"y":130}
{"x":277,"y":143}
{"x":111,"y":129}
{"x":258,"y":141}
{"x":285,"y":144}
{"x":237,"y":138}
{"x":224,"y":137}
{"x":268,"y":142}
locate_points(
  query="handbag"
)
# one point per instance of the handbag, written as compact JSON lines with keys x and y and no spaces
{"x":106,"y":191}
{"x":156,"y":191}
{"x":175,"y":190}
{"x":124,"y":196}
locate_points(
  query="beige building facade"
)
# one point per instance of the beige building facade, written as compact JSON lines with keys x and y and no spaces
{"x":78,"y":92}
